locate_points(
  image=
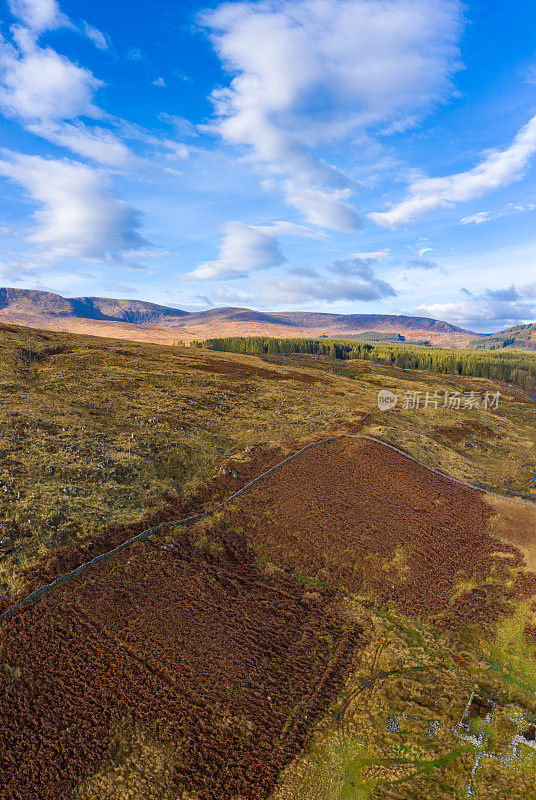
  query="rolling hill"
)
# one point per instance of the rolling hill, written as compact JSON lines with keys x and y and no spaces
{"x":143,"y":321}
{"x":519,"y":337}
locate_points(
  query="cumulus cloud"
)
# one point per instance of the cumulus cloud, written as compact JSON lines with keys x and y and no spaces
{"x":248,"y":248}
{"x":47,"y":93}
{"x":307,"y":73}
{"x":490,"y":310}
{"x":498,"y":168}
{"x":39,"y":84}
{"x":77,"y":216}
{"x":39,"y":15}
{"x":244,"y":248}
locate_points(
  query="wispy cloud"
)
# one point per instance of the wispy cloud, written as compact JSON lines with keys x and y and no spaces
{"x":421,"y":263}
{"x":97,"y":37}
{"x":498,"y":168}
{"x":350,"y":280}
{"x":487,"y":216}
{"x":47,"y":93}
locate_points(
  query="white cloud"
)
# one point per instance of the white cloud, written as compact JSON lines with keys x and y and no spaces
{"x":38,"y":84}
{"x":159,"y":82}
{"x":78,"y":217}
{"x":377,"y":255}
{"x":95,"y":143}
{"x":96,"y":36}
{"x":248,"y":248}
{"x":327,"y":208}
{"x":351,"y":280}
{"x":491,"y":309}
{"x":498,"y":168}
{"x":487,"y":216}
{"x":47,"y":93}
{"x":476,"y":219}
{"x":310,"y":72}
{"x":39,"y":15}
{"x":244,"y":248}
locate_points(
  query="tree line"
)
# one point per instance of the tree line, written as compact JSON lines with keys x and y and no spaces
{"x":513,"y":367}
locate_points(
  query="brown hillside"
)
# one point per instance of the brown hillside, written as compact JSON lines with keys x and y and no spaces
{"x":150,"y":322}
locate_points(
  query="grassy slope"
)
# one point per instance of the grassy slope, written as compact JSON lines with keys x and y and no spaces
{"x":94,"y":428}
{"x":91,"y":433}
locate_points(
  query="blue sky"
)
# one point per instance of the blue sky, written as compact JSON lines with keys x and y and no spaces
{"x":355,"y":156}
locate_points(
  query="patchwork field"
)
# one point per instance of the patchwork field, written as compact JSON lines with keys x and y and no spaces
{"x":353,"y":626}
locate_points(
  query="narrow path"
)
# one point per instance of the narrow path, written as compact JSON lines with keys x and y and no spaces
{"x":49,"y":587}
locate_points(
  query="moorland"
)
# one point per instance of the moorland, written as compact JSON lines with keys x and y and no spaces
{"x":353,"y":626}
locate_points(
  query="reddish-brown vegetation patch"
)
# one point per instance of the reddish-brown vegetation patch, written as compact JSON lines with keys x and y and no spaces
{"x":238,"y":371}
{"x":479,"y":708}
{"x":530,"y":733}
{"x":342,"y":511}
{"x":457,"y":433}
{"x":228,"y":667}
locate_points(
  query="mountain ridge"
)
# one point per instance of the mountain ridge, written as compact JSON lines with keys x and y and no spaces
{"x":145,"y":321}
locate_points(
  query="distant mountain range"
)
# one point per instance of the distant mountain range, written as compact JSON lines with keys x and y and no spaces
{"x":142,"y":321}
